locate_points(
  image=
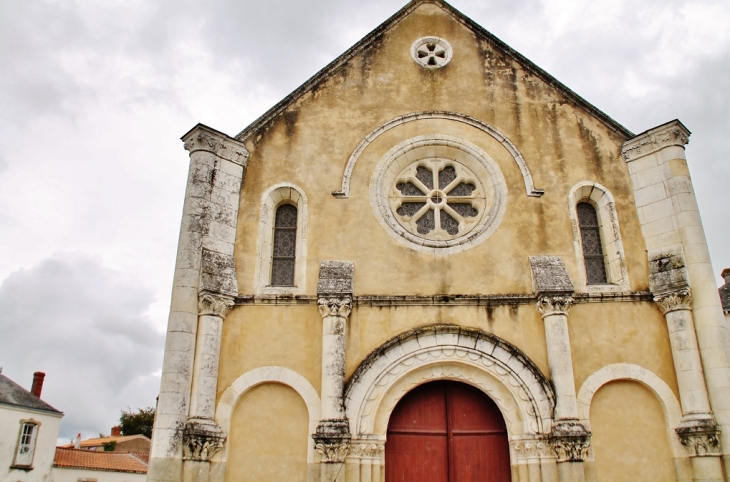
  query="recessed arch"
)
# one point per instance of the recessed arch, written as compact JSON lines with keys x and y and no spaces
{"x":530,"y":189}
{"x":449,"y":352}
{"x":627,"y":371}
{"x":269,"y":374}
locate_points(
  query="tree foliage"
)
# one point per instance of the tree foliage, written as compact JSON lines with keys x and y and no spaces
{"x":137,"y":422}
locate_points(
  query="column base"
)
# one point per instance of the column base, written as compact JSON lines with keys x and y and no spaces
{"x":202,"y":438}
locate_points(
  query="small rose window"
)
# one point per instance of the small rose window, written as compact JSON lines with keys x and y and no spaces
{"x":437,"y":199}
{"x":431,"y":52}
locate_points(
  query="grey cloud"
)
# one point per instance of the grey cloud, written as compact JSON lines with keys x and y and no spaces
{"x":85,"y":326}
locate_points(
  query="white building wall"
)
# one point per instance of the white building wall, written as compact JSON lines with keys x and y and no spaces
{"x":45,"y":447}
{"x":61,"y":474}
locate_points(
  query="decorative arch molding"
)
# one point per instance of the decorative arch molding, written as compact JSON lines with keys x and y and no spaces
{"x":601,"y":199}
{"x":530,"y":189}
{"x":449,"y":352}
{"x":259,"y":376}
{"x":627,"y":371}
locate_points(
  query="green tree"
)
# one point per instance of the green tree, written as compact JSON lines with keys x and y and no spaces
{"x":137,"y":422}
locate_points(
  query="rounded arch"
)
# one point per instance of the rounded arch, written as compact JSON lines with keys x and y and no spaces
{"x":449,"y":352}
{"x":344,"y":192}
{"x":627,"y":371}
{"x":270,"y":374}
{"x":272,"y":198}
{"x":601,"y":199}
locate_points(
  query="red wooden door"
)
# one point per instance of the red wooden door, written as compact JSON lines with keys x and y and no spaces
{"x":446,"y":432}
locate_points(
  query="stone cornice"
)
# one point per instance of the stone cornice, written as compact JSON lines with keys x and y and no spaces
{"x":203,"y":138}
{"x":672,"y":133}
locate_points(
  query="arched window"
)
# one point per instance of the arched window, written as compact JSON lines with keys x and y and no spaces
{"x":283,"y":258}
{"x":281,"y":263}
{"x":597,"y":239}
{"x":590,"y":236}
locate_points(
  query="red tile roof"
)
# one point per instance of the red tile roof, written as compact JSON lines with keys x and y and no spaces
{"x":97,"y":442}
{"x":92,"y":460}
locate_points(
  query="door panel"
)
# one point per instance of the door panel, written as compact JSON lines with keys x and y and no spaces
{"x":447,"y":432}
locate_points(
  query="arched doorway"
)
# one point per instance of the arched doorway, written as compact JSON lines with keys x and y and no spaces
{"x":446,"y":432}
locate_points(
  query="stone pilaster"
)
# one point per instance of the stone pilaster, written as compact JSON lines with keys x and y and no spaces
{"x":334,"y":291}
{"x":670,"y":221}
{"x":204,"y":263}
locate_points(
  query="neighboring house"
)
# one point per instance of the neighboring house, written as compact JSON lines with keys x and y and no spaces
{"x":75,"y":465}
{"x":437,"y":262}
{"x":28,"y":432}
{"x":116,"y":442}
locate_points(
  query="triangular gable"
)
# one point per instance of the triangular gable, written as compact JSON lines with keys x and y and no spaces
{"x":378,"y":33}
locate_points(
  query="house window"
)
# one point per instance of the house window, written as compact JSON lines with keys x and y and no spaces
{"x":26,"y":444}
{"x":590,"y":236}
{"x":283,"y":260}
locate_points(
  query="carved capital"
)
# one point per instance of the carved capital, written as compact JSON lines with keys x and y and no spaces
{"x":670,"y":134}
{"x":570,"y":441}
{"x":202,"y":439}
{"x":674,"y":300}
{"x":701,"y":437}
{"x":214,"y":304}
{"x":202,"y":138}
{"x":554,"y":304}
{"x":335,"y":306}
{"x":332,"y":440}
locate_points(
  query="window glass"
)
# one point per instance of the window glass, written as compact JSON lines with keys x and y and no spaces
{"x":26,"y":444}
{"x":285,"y":242}
{"x":590,"y":236}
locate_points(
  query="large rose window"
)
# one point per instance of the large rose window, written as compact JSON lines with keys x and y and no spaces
{"x":437,"y":198}
{"x":438,"y":194}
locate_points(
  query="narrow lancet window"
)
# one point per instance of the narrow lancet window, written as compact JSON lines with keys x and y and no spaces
{"x":590,"y":236}
{"x":285,"y":242}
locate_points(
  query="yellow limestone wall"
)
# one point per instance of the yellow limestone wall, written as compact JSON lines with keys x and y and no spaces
{"x":629,"y":438}
{"x":309,"y":144}
{"x":267,"y":430}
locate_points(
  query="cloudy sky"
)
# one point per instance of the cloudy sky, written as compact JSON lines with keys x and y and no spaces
{"x":94,"y":95}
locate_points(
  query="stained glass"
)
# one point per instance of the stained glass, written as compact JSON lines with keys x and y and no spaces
{"x":409,"y":209}
{"x":462,"y":189}
{"x":425,"y":175}
{"x":409,"y":189}
{"x":449,"y":224}
{"x":591,"y":240}
{"x":285,"y":243}
{"x":426,"y":223}
{"x":465,"y":210}
{"x":446,"y":176}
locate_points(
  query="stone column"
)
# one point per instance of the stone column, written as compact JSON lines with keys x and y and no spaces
{"x":332,"y":437}
{"x":670,"y":222}
{"x":698,"y":431}
{"x":204,"y":261}
{"x":569,"y":439}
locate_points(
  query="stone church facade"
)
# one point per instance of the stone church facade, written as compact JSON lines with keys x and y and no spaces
{"x":433,"y":261}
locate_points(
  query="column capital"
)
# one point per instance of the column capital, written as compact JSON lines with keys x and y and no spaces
{"x":332,"y":440}
{"x":367,"y":448}
{"x":204,"y":138}
{"x":674,"y":300}
{"x":335,"y":306}
{"x":554,"y":304}
{"x":214,"y":304}
{"x":570,"y":441}
{"x":673,"y":133}
{"x":701,"y":437}
{"x":202,"y":439}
